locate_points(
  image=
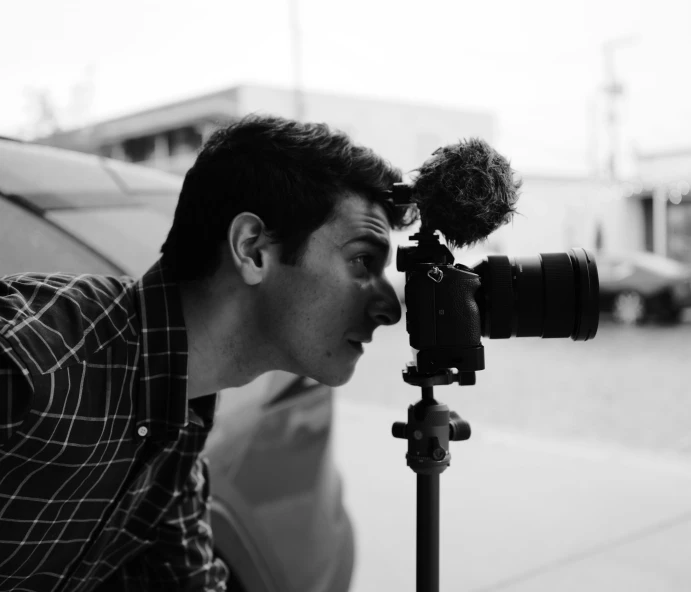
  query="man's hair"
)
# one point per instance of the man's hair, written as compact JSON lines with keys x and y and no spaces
{"x":290,"y":174}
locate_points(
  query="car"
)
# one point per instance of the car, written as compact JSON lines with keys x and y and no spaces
{"x":278,"y":516}
{"x":638,"y":286}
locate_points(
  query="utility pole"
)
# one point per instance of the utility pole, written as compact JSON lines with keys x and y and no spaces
{"x":592,"y":152}
{"x":81,"y":98}
{"x":613,"y":90}
{"x":296,"y":45}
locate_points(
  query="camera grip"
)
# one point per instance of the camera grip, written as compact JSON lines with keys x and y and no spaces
{"x":442,"y":310}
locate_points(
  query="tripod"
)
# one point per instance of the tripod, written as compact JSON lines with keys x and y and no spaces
{"x":429,"y":429}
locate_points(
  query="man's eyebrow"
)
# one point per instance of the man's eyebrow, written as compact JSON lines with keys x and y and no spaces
{"x":378,"y":243}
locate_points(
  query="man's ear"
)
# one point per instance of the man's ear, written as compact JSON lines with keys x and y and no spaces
{"x":250,"y":247}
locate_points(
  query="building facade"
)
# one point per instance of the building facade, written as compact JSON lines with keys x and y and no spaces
{"x":557,"y":213}
{"x":168,"y":136}
{"x":648,"y":213}
{"x":663,"y":192}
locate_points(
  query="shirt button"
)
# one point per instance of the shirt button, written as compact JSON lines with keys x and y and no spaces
{"x":143,"y":431}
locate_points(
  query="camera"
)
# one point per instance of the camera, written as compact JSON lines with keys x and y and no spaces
{"x":450,"y":307}
{"x":465,"y":192}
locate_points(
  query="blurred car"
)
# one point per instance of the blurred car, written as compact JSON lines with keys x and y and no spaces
{"x":277,"y":512}
{"x":636,"y":287}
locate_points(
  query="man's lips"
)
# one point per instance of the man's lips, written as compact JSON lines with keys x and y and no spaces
{"x":357,"y":345}
{"x":361,"y":338}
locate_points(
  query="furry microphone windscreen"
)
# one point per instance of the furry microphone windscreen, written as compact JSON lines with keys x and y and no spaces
{"x":465,"y":191}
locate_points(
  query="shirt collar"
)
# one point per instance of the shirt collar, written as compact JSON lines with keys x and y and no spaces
{"x":163,"y":406}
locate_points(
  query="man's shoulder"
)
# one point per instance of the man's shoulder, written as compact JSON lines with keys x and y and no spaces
{"x":56,"y":319}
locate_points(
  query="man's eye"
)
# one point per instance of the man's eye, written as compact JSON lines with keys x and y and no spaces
{"x":364,"y":261}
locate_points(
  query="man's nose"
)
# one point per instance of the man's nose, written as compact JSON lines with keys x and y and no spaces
{"x":386,"y":309}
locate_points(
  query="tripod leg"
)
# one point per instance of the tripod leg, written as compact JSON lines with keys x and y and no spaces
{"x":428,"y":533}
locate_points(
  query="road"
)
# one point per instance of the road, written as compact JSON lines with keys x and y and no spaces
{"x":517,"y":513}
{"x":577,"y":476}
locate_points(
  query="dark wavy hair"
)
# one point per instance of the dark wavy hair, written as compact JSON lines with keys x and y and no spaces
{"x":290,"y":174}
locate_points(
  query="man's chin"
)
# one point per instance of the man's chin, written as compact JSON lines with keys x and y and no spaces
{"x":337,"y":383}
{"x":332,"y":372}
{"x":335,"y":380}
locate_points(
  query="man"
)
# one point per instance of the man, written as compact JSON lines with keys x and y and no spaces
{"x":275,"y":260}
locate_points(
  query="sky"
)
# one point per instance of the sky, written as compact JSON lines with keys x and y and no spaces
{"x":537,"y":65}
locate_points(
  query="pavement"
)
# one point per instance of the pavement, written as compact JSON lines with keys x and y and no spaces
{"x":519,"y":512}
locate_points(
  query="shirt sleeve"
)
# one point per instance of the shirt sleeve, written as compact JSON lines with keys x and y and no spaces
{"x":182,"y":558}
{"x":16,"y":391}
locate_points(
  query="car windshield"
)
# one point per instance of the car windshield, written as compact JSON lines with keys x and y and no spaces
{"x":28,"y":169}
{"x":131,"y":237}
{"x":143,"y":180}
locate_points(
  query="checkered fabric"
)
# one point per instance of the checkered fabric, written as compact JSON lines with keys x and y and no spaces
{"x":102,"y":486}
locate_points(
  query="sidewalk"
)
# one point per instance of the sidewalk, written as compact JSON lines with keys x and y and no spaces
{"x":517,"y":513}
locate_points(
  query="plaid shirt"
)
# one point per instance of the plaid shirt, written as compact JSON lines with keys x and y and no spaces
{"x":101,"y":482}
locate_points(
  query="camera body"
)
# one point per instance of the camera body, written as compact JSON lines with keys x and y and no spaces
{"x":451,"y":306}
{"x":443,"y":317}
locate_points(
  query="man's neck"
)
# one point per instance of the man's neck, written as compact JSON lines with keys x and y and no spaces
{"x":222,"y":347}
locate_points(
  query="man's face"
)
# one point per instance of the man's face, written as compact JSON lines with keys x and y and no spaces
{"x":316,"y":314}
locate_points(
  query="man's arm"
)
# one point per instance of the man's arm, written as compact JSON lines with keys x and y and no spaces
{"x":16,"y":391}
{"x":182,"y":556}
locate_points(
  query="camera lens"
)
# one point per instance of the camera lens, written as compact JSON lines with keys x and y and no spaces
{"x":547,"y":295}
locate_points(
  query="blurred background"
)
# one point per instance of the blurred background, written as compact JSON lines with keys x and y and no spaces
{"x":589,"y":100}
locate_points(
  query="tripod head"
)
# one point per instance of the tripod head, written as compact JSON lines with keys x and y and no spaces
{"x":430,"y":424}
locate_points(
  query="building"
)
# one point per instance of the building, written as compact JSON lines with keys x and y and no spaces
{"x":557,"y":213}
{"x":662,"y":191}
{"x":168,"y":136}
{"x":650,"y":212}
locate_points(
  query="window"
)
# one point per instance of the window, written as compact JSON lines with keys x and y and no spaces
{"x":139,"y":149}
{"x":29,"y":243}
{"x":184,"y":140}
{"x":679,"y":231}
